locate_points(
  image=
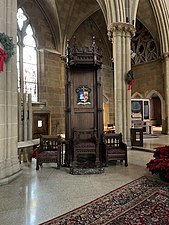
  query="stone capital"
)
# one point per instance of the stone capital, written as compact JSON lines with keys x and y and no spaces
{"x":120,"y":29}
{"x":165,"y":56}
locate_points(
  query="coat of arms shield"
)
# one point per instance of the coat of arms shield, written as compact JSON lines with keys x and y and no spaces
{"x":83,"y":95}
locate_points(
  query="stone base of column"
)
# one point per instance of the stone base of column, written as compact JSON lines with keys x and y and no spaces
{"x":10,"y":178}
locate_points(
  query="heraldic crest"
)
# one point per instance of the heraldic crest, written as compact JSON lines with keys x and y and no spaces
{"x":83,"y":95}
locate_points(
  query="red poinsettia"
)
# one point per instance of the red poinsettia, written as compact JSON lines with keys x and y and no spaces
{"x":162,"y":152}
{"x":160,"y":165}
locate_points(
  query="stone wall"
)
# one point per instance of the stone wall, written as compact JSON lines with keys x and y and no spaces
{"x":149,"y":83}
{"x":108,"y":101}
{"x":148,"y":77}
{"x":51,"y":88}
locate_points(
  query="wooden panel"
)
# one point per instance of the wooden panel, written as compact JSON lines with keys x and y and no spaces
{"x":83,"y":77}
{"x":40,"y":124}
{"x":83,"y":120}
{"x":83,"y":115}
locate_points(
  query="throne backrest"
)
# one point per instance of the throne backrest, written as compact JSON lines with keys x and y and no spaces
{"x":84,"y":136}
{"x":113,"y":140}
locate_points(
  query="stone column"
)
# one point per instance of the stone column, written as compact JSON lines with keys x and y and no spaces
{"x":165,"y":122}
{"x":120,"y":34}
{"x":9,"y":163}
{"x":30,"y":117}
{"x":62,"y":75}
{"x":25,"y":116}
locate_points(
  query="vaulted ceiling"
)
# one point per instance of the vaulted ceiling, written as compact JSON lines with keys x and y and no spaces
{"x":65,"y":16}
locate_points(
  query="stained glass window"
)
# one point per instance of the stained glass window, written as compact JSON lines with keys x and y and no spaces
{"x":26,"y":56}
{"x":21,"y":18}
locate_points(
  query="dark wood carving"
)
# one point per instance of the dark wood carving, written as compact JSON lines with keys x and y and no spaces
{"x":49,"y":150}
{"x":83,"y":102}
{"x":114,"y":147}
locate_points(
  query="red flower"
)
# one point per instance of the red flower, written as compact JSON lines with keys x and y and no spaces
{"x":160,"y":165}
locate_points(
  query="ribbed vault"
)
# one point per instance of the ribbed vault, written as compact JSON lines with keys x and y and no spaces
{"x":161,"y":13}
{"x":123,"y":11}
{"x":64,"y":17}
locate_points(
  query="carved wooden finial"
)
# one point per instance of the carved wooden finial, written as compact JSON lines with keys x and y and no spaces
{"x":68,"y":43}
{"x":94,"y":42}
{"x":74,"y":38}
{"x":74,"y":49}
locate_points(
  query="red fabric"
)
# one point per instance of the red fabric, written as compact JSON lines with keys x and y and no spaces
{"x":130,"y":84}
{"x":34,"y":153}
{"x":2,"y":57}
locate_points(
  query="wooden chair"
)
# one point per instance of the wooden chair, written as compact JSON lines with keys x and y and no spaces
{"x":49,"y":150}
{"x":85,"y":142}
{"x":115,"y":148}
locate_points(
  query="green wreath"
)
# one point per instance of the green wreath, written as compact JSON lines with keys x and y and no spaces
{"x":8,"y":45}
{"x":129,"y":76}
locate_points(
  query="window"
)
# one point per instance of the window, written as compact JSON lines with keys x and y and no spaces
{"x":26,"y":56}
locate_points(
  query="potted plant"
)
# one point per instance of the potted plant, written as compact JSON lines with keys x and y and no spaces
{"x":160,"y":163}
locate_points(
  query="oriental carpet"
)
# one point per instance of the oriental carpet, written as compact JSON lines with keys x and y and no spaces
{"x":144,"y":201}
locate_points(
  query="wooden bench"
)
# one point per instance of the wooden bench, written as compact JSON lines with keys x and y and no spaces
{"x":115,"y":148}
{"x":49,"y":150}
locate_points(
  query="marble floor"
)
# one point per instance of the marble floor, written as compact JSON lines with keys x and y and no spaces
{"x":155,"y":140}
{"x":37,"y":196}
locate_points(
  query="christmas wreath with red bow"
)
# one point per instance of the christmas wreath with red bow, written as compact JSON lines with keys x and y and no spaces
{"x":129,"y":79}
{"x":7,"y":51}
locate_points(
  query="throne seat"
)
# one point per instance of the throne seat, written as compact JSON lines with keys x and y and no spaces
{"x":85,"y":143}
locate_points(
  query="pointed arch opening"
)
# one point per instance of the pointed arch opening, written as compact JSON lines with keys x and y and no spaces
{"x":157,"y":109}
{"x":27,"y":56}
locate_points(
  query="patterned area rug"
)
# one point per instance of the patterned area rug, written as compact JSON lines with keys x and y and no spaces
{"x":144,"y":201}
